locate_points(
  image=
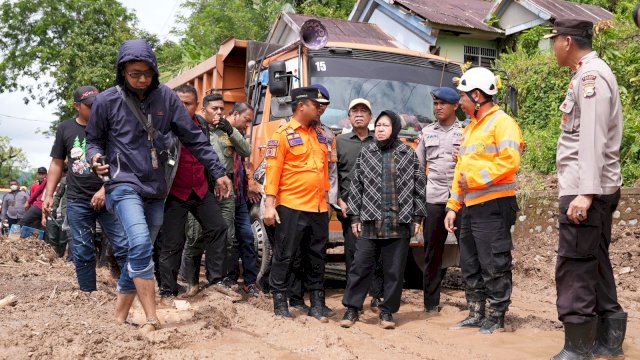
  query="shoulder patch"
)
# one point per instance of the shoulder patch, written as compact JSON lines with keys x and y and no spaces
{"x":272,"y":152}
{"x":272,"y":143}
{"x":589,"y":85}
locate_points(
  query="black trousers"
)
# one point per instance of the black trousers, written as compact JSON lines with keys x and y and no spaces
{"x":584,"y":277}
{"x":377,"y":286}
{"x":435,"y":235}
{"x":32,"y":218}
{"x":394,"y":258}
{"x":485,"y":251}
{"x":302,"y":230}
{"x":172,"y":239}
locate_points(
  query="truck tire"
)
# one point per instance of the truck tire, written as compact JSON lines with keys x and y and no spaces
{"x":262,"y":245}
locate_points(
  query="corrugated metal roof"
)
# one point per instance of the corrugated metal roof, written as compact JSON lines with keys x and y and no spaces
{"x":347,"y":31}
{"x":559,"y":9}
{"x":460,"y":13}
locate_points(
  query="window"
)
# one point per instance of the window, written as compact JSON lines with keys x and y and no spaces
{"x":479,"y":56}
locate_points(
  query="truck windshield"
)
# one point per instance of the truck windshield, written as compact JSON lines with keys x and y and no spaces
{"x":403,"y":88}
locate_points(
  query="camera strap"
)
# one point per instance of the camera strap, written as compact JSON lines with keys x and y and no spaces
{"x":146,"y":124}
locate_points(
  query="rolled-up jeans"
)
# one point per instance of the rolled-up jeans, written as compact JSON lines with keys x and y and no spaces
{"x":141,"y":219}
{"x":82,"y":221}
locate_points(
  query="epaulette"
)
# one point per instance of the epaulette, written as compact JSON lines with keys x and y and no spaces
{"x":282,"y":128}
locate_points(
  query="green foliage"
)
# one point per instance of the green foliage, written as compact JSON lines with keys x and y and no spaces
{"x":63,"y":44}
{"x":12,"y":159}
{"x":328,"y":8}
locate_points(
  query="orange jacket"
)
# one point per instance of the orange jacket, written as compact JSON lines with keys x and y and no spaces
{"x":490,"y":158}
{"x":297,"y":167}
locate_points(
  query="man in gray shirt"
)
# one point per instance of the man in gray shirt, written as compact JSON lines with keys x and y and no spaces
{"x":13,"y":204}
{"x":589,"y":181}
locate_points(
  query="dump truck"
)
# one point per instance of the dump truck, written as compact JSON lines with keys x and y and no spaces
{"x":352,"y":60}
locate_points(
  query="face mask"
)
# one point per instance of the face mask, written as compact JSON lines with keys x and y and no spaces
{"x":14,"y":187}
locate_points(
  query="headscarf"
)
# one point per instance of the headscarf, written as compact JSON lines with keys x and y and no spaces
{"x":396,"y":126}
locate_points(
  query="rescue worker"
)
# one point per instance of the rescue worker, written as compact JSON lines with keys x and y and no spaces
{"x":483,"y":194}
{"x":589,"y":181}
{"x":296,"y":288}
{"x":348,"y":147}
{"x":296,"y":186}
{"x":437,"y":152}
{"x":227,"y":142}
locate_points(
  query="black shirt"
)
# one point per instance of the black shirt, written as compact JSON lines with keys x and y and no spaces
{"x":82,"y":182}
{"x":348,"y":147}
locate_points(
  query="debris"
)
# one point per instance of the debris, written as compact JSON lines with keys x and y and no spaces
{"x":9,"y":300}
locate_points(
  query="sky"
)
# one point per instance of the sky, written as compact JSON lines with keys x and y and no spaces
{"x":20,"y":122}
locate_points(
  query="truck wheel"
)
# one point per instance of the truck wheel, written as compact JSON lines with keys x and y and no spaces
{"x":261,"y":244}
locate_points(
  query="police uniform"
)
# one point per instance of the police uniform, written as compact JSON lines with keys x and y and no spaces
{"x":297,"y":175}
{"x":435,"y":152}
{"x":588,"y":161}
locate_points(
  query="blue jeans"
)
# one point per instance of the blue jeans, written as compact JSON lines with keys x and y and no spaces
{"x":141,"y":219}
{"x":244,"y":236}
{"x":82,"y":221}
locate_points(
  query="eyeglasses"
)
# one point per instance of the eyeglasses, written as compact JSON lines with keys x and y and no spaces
{"x":139,"y":74}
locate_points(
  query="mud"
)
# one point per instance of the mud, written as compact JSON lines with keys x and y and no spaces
{"x":54,"y":320}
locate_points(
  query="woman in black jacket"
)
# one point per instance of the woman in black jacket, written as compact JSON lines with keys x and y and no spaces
{"x":386,"y":205}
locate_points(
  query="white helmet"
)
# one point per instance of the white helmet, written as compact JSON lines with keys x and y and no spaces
{"x":479,"y":78}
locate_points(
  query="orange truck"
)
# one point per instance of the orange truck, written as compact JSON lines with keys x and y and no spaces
{"x":352,"y":60}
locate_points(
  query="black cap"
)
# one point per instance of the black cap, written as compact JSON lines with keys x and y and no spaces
{"x":85,"y":95}
{"x":572,"y":27}
{"x":309,"y":93}
{"x":42,"y":170}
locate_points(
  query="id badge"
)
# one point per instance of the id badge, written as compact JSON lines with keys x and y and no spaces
{"x":154,"y":158}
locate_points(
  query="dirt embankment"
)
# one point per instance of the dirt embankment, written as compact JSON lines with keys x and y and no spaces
{"x":54,"y":320}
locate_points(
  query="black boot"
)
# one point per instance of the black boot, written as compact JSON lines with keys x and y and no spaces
{"x":578,"y":341}
{"x":317,"y":306}
{"x":611,"y":332}
{"x":494,"y":322}
{"x":280,"y":306}
{"x":350,"y":317}
{"x":475,"y":318}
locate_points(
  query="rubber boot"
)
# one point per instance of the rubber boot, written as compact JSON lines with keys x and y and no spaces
{"x":610,"y":336}
{"x":475,"y":318}
{"x":493,"y":323}
{"x":280,"y":305}
{"x":317,"y":306}
{"x":578,"y":341}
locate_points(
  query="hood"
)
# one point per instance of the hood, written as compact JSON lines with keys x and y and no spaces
{"x":137,"y":50}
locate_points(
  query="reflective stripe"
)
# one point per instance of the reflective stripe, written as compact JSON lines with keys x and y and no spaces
{"x":488,"y":149}
{"x":510,"y":144}
{"x":497,"y":188}
{"x":492,"y":120}
{"x":457,"y":197}
{"x":486,"y":177}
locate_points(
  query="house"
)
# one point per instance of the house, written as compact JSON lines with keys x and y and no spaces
{"x":465,"y":30}
{"x":454,"y":29}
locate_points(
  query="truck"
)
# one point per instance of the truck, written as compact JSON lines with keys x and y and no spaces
{"x":352,"y":60}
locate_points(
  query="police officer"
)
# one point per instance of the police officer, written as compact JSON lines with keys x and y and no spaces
{"x":589,"y":180}
{"x":226,"y":141}
{"x":296,"y":187}
{"x":484,"y":182}
{"x":437,"y":152}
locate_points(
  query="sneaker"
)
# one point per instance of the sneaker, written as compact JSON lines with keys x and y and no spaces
{"x":350,"y":317}
{"x":229,"y":282}
{"x":375,"y":305}
{"x":386,"y":320}
{"x":252,"y":290}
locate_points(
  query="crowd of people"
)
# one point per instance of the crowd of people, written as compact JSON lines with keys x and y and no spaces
{"x":148,"y":169}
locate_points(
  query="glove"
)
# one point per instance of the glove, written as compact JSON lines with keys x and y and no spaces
{"x":225,"y":126}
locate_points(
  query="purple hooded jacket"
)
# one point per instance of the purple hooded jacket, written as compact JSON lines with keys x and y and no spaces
{"x":114,"y":130}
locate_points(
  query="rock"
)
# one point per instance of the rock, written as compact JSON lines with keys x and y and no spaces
{"x":530,"y":231}
{"x":616,"y":214}
{"x":522,"y":218}
{"x":622,"y":223}
{"x":538,"y":211}
{"x":627,"y":210}
{"x":538,"y":228}
{"x":539,"y":258}
{"x":551,"y":221}
{"x":633,"y":222}
{"x":625,"y":270}
{"x":549,"y":229}
{"x":181,"y":304}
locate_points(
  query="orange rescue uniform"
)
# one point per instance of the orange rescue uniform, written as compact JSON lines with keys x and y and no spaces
{"x":297,"y":167}
{"x":490,"y":158}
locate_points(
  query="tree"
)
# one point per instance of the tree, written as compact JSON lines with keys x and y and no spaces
{"x":63,"y":44}
{"x":12,"y":159}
